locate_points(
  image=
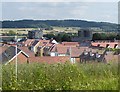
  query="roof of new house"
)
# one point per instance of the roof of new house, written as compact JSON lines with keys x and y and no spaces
{"x":48,"y":59}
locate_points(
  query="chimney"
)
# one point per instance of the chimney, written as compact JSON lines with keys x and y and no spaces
{"x":85,"y":52}
{"x":97,"y":55}
{"x":68,"y":51}
{"x":41,"y":52}
{"x":91,"y":54}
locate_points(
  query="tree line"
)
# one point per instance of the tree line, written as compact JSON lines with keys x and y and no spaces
{"x":106,"y":36}
{"x":47,"y":24}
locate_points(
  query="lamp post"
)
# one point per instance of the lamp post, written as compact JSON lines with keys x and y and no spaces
{"x":16,"y":63}
{"x":16,"y":71}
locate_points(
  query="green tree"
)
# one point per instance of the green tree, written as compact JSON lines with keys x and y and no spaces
{"x":11,"y":33}
{"x":66,"y":37}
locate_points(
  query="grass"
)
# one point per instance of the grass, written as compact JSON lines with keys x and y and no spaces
{"x":61,"y":77}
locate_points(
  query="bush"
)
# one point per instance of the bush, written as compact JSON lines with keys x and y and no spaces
{"x":61,"y":77}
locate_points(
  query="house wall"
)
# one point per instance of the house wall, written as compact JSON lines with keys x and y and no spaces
{"x":53,"y":54}
{"x":21,"y":59}
{"x":62,"y":55}
{"x":110,"y":57}
{"x":75,"y":59}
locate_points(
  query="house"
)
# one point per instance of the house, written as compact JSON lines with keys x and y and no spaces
{"x":112,"y":57}
{"x":72,"y":51}
{"x":41,"y":47}
{"x":92,"y":56}
{"x":59,"y":50}
{"x":10,"y":55}
{"x":34,"y":46}
{"x":89,"y":56}
{"x":81,"y":54}
{"x":27,"y":51}
{"x":28,"y":42}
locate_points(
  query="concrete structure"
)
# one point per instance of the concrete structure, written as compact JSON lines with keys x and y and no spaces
{"x":83,"y":35}
{"x":35,"y":34}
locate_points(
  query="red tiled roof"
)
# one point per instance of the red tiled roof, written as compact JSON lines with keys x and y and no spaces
{"x":27,"y":51}
{"x":60,"y":50}
{"x":29,"y":42}
{"x":48,"y":59}
{"x":44,"y":42}
{"x":2,"y":49}
{"x":104,"y":44}
{"x":77,"y":51}
{"x":70,"y":43}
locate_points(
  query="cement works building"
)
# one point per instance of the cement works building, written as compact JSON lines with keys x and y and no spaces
{"x":35,"y":34}
{"x":83,"y":35}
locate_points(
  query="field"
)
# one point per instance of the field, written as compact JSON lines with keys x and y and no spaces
{"x":66,"y":76}
{"x":25,"y":30}
{"x":55,"y":30}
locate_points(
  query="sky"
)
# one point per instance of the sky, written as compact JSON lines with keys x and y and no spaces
{"x":60,"y":0}
{"x":103,"y":11}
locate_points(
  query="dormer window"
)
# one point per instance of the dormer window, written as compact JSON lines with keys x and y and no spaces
{"x":91,"y":54}
{"x":98,"y":45}
{"x":107,"y":46}
{"x":116,"y":46}
{"x":85,"y":52}
{"x":97,"y":55}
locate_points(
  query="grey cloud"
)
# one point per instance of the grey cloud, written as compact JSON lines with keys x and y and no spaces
{"x":62,"y":10}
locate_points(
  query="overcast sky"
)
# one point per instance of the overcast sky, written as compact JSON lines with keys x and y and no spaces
{"x":93,"y":11}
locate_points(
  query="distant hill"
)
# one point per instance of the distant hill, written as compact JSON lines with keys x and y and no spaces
{"x":59,"y":23}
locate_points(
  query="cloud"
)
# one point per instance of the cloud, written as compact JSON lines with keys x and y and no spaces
{"x":59,"y":1}
{"x":61,"y":10}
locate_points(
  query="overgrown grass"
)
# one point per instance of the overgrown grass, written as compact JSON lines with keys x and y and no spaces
{"x":61,"y":77}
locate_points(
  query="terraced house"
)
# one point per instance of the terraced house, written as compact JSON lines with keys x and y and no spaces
{"x":48,"y":50}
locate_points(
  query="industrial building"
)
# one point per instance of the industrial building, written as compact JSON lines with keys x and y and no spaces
{"x":35,"y":34}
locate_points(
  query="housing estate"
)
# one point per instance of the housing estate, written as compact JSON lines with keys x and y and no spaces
{"x":51,"y":51}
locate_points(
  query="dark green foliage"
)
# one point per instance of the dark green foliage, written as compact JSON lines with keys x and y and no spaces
{"x":118,"y":36}
{"x":106,"y":36}
{"x":60,"y":37}
{"x":25,"y":24}
{"x":63,"y":37}
{"x":49,"y":36}
{"x":59,"y":23}
{"x":58,"y":76}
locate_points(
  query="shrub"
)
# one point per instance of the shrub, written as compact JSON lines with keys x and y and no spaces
{"x":61,"y":77}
